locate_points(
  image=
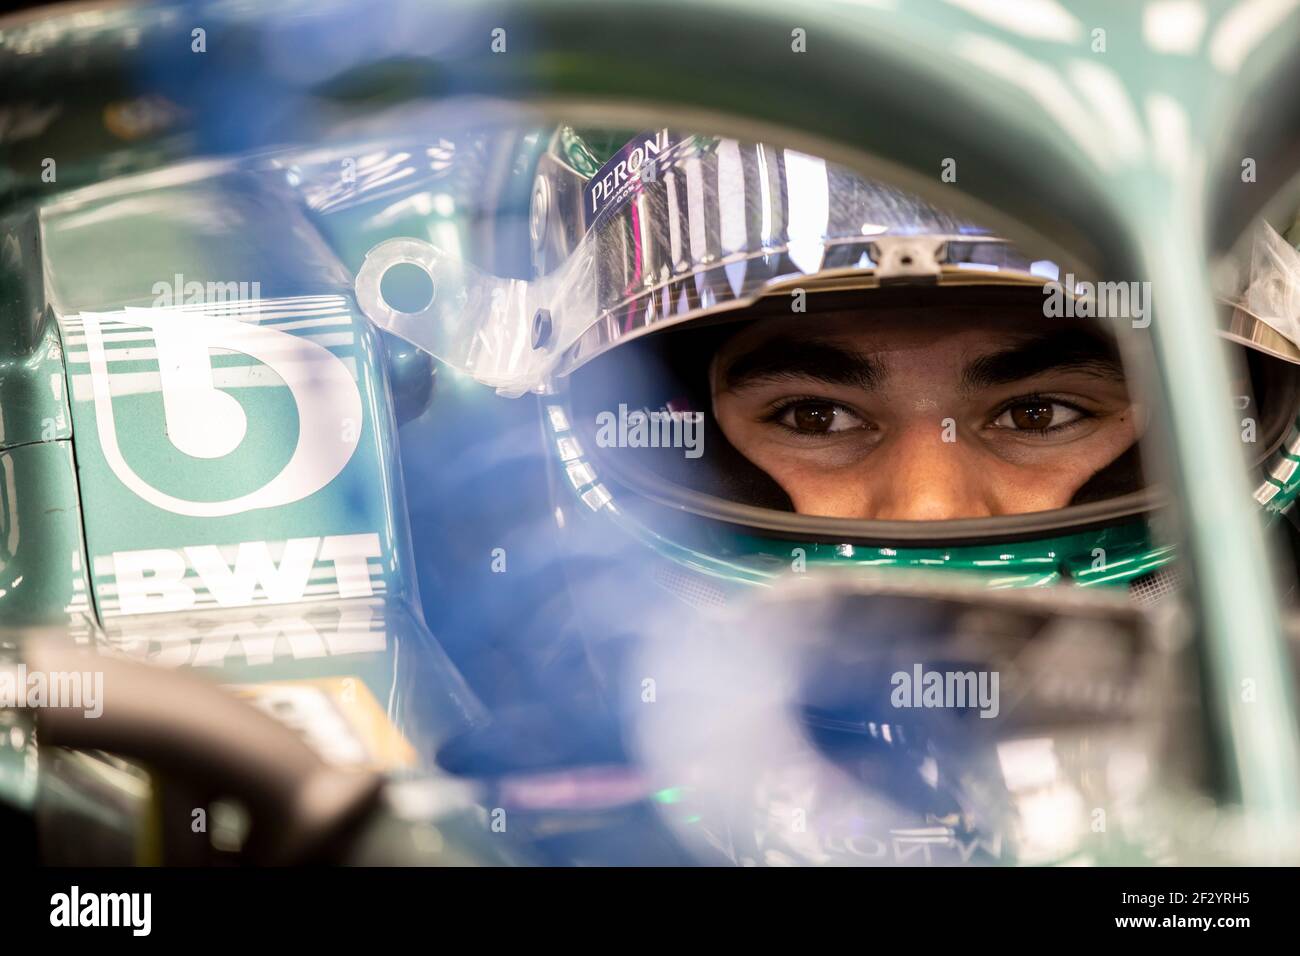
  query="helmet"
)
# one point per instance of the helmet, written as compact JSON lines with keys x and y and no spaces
{"x":655,"y":256}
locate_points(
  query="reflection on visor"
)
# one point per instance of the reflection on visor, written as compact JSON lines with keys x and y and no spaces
{"x":706,"y":224}
{"x":1265,"y":285}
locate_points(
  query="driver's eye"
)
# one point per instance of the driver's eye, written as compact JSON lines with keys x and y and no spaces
{"x":818,"y":417}
{"x":1038,"y":415}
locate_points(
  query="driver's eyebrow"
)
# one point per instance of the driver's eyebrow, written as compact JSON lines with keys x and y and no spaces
{"x":783,"y":358}
{"x":1073,"y":350}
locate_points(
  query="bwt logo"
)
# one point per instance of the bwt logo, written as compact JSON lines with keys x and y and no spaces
{"x":157,"y":580}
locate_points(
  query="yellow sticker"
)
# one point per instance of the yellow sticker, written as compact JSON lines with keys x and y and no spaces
{"x":338,"y":717}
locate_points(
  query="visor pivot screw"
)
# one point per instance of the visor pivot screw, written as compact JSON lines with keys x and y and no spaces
{"x":541,"y":328}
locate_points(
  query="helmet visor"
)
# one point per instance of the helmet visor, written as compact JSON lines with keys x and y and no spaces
{"x":676,"y":227}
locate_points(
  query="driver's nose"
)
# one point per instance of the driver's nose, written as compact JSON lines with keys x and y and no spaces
{"x":918,"y":476}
